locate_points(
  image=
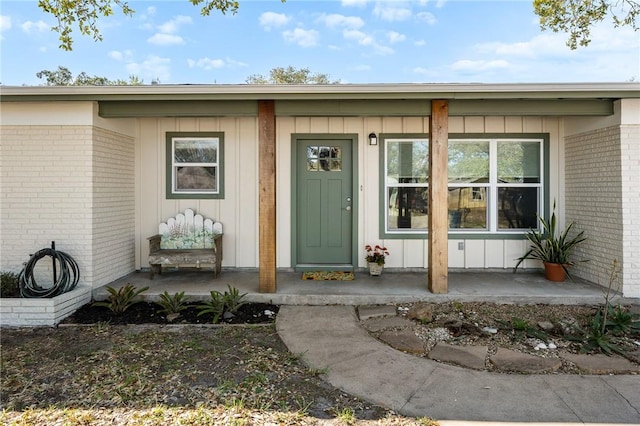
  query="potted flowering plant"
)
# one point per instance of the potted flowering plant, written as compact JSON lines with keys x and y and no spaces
{"x":375,"y":258}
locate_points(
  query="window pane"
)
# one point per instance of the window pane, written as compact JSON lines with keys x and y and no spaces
{"x":407,"y":161}
{"x":195,"y":150}
{"x":519,"y":162}
{"x":518,"y":208}
{"x":196,"y":179}
{"x":468,"y":207}
{"x":468,"y":162}
{"x":407,"y":208}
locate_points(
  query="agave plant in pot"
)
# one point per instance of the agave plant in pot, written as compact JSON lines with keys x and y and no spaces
{"x":553,"y":247}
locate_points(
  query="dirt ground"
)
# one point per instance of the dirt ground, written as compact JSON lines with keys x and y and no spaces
{"x":200,"y":373}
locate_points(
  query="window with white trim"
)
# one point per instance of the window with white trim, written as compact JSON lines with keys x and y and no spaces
{"x":496,"y":185}
{"x":194,"y":165}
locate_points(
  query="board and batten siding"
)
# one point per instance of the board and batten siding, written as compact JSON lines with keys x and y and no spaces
{"x":408,"y":253}
{"x":238,"y":211}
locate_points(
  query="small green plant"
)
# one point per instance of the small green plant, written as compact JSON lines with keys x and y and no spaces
{"x":9,"y":284}
{"x":233,"y":299}
{"x":521,"y":328}
{"x":220,"y":303}
{"x":596,"y":338}
{"x":214,"y":306}
{"x":346,"y":415}
{"x":621,"y":321}
{"x":120,"y":300}
{"x":172,"y":304}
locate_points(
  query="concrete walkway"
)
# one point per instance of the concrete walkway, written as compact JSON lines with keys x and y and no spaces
{"x":331,"y":338}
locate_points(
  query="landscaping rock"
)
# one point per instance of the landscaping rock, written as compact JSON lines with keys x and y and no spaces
{"x":422,"y":312}
{"x":379,"y":324}
{"x":601,"y":364}
{"x":546,"y":325}
{"x":376,"y":311}
{"x":465,"y":356}
{"x":508,"y":360}
{"x":403,"y":340}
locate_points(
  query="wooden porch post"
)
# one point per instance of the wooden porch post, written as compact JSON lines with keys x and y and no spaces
{"x":438,"y":200}
{"x":267,"y":199}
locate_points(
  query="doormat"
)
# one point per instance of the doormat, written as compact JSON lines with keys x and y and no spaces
{"x":328,"y":276}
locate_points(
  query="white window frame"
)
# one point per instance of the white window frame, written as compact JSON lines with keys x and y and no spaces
{"x":492,"y":186}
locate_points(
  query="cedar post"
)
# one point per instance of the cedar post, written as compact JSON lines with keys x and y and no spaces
{"x":267,"y":197}
{"x":438,"y":200}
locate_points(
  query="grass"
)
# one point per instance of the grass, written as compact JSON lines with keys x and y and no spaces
{"x":135,"y":375}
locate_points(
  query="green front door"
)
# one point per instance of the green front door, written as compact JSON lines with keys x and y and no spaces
{"x":324,"y":204}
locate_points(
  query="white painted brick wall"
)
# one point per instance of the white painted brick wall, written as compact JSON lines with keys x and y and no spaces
{"x":630,"y":159}
{"x":46,"y":193}
{"x":600,"y":203}
{"x":74,"y":185}
{"x":42,"y":312}
{"x":113,"y":206}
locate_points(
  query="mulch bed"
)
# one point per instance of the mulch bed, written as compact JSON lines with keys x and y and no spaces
{"x":148,"y":313}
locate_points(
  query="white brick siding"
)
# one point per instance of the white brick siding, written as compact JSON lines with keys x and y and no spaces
{"x":73,"y":185}
{"x":630,"y":166}
{"x":602,"y":197}
{"x":46,"y":193}
{"x":113,"y":206}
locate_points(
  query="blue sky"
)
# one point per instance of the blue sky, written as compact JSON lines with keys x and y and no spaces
{"x":354,"y":41}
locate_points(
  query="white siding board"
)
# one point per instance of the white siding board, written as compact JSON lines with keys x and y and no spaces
{"x":456,"y":256}
{"x":474,"y":254}
{"x":473,"y":124}
{"x":513,"y":124}
{"x":494,"y":253}
{"x":456,"y":124}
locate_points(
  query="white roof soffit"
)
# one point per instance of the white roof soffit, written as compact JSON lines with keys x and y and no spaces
{"x":323,"y":92}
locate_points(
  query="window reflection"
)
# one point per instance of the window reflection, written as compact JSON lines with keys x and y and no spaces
{"x":324,"y":158}
{"x":408,"y":208}
{"x":468,"y":207}
{"x":518,"y":207}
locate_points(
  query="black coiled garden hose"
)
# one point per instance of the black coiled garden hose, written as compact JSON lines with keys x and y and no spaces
{"x":64,"y":280}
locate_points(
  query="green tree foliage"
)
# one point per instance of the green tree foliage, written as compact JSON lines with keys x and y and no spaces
{"x":291,"y":75}
{"x":63,"y":77}
{"x":576,"y":17}
{"x":86,"y":13}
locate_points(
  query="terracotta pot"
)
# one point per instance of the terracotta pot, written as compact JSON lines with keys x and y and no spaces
{"x":375,"y":269}
{"x":554,"y":272}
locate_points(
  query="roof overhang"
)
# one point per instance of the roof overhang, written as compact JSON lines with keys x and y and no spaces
{"x":336,"y":99}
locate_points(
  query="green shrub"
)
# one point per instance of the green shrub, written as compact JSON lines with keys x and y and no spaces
{"x":9,"y":284}
{"x":120,"y":300}
{"x":220,"y":303}
{"x":215,"y":306}
{"x":172,"y":304}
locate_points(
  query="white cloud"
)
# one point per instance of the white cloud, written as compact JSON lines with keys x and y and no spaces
{"x":395,"y":37}
{"x":270,"y":20}
{"x":304,"y":38}
{"x":5,"y":23}
{"x":172,"y":26}
{"x":390,"y":12}
{"x":120,"y":55}
{"x":420,"y":43}
{"x":152,"y":68}
{"x":340,"y":21}
{"x":30,"y":27}
{"x":165,"y":39}
{"x":354,"y":3}
{"x":480,"y":65}
{"x":364,"y":39}
{"x":151,"y":10}
{"x":209,"y":64}
{"x":427,"y":17}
